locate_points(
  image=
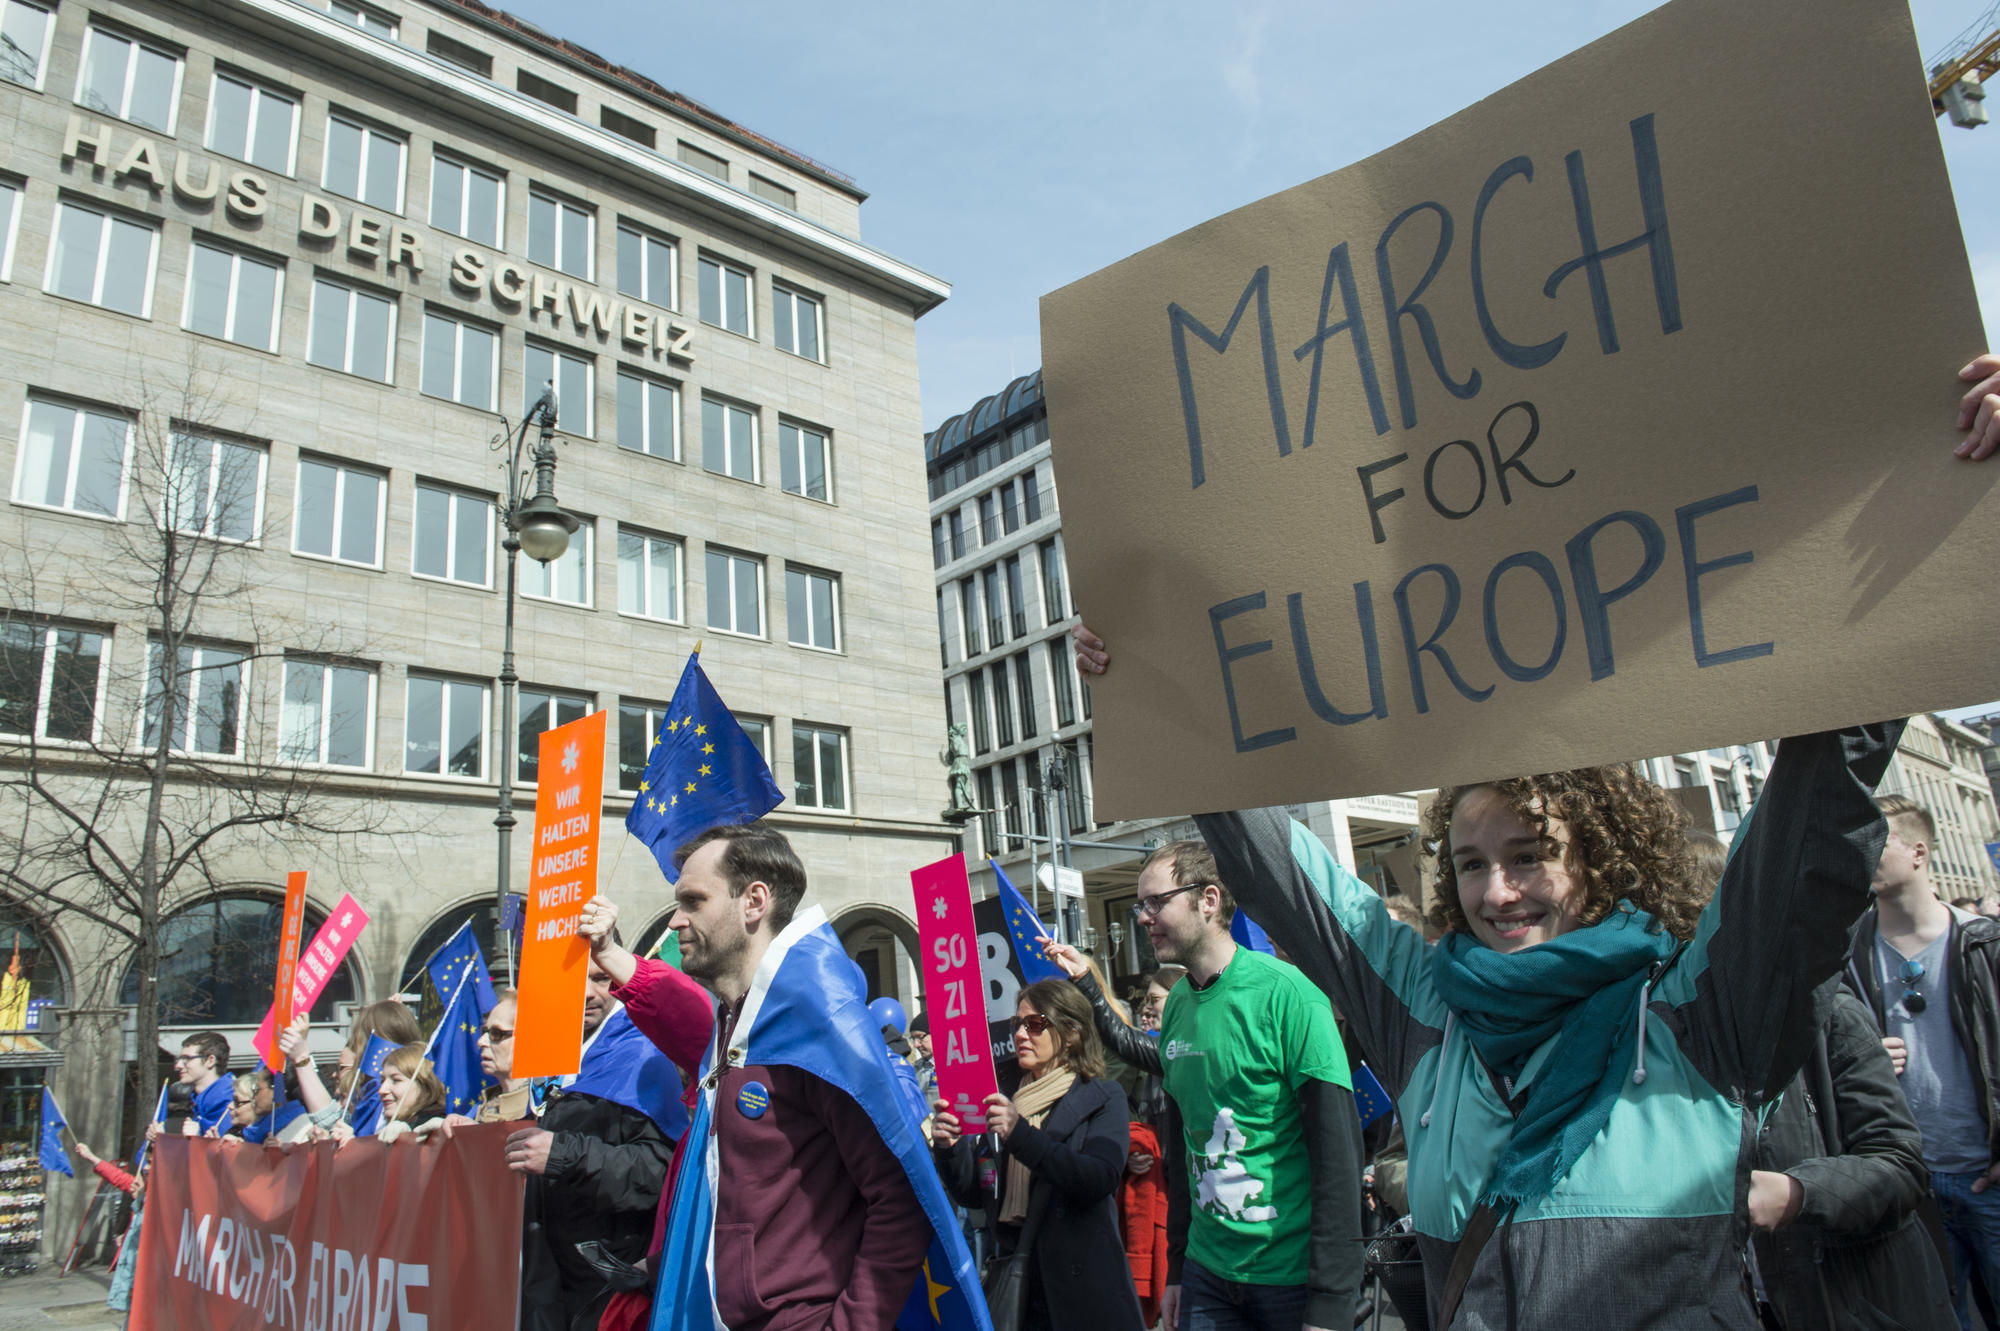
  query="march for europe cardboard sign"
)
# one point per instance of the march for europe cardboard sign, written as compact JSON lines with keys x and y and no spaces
{"x":1610,"y":417}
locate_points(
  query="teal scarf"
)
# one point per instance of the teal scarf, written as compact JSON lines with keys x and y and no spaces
{"x":1582,"y":989}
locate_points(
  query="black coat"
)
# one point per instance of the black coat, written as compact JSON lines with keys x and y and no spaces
{"x":1858,"y":1256}
{"x":1078,"y":1273}
{"x":606,"y":1167}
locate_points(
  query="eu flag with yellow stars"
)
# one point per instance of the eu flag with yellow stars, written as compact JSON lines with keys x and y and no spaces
{"x":460,"y":959}
{"x":703,"y":772}
{"x":454,"y":1047}
{"x":1024,"y":929}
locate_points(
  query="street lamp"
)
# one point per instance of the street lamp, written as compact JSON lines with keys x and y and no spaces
{"x":539,"y":526}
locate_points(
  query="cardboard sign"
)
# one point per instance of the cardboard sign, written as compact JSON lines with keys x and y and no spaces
{"x":548,"y":1023}
{"x":393,"y":1238}
{"x":288,"y":963}
{"x":954,"y":989}
{"x":1610,"y":417}
{"x":317,"y":966}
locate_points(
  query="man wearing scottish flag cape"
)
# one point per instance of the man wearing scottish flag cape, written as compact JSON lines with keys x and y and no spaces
{"x":803,"y":1195}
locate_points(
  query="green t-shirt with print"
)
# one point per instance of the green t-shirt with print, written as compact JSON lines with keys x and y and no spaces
{"x":1237,"y":1054}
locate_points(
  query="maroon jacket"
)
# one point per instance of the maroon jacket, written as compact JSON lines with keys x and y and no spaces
{"x":816,"y":1226}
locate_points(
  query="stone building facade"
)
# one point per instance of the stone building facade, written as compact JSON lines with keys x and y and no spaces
{"x":275,"y":275}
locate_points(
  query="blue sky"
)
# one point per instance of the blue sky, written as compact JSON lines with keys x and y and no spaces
{"x":1011,"y":149}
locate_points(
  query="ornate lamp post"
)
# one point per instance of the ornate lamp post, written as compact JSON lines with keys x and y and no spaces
{"x":537,"y":525}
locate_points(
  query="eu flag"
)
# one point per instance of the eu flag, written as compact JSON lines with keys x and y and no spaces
{"x":365,"y":1113}
{"x":1371,"y":1100}
{"x":159,"y":1116}
{"x":54,"y":1158}
{"x":459,"y":959}
{"x":814,"y":1016}
{"x":1024,"y":930}
{"x":454,"y":1049}
{"x":703,"y":772}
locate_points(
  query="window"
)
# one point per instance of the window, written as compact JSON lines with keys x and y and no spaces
{"x":725,"y":296}
{"x":208,"y":688}
{"x":469,"y":201}
{"x":1059,"y":683}
{"x":567,"y":576}
{"x":1038,"y":796}
{"x":968,"y":604}
{"x":444,"y":728}
{"x":735,"y":593}
{"x":1010,"y":510}
{"x":51,"y":680}
{"x":214,"y":487}
{"x":805,"y":463}
{"x":575,"y":381}
{"x":233,"y":296}
{"x":646,"y":267}
{"x":1016,"y":597}
{"x":453,"y":536}
{"x":627,"y":127}
{"x":989,"y":529}
{"x":128,"y":79}
{"x":704,"y":161}
{"x":541,"y":710}
{"x":353,"y":331}
{"x":1031,"y":497}
{"x":649,"y":416}
{"x":819,"y":767}
{"x":453,"y":51}
{"x":24,"y":42}
{"x":1010,"y":800}
{"x":1024,"y":686}
{"x":461,"y":361}
{"x":795,"y":322}
{"x":103,"y":259}
{"x":996,"y":624}
{"x":542,"y":90}
{"x":364,"y":18}
{"x":759,"y":731}
{"x":944,"y":652}
{"x":252,"y":123}
{"x":10,"y":215}
{"x":938,"y":556}
{"x":982,"y":724}
{"x":364,"y":164}
{"x":338,"y":513}
{"x":956,"y":521}
{"x":1003,"y":706}
{"x":638,"y":726}
{"x":812,"y":608}
{"x":649,"y":575}
{"x":1054,"y":607}
{"x":73,"y":458}
{"x":772,"y":192}
{"x":729,"y":439}
{"x":989,"y":822}
{"x":559,"y":234}
{"x":328,"y":714}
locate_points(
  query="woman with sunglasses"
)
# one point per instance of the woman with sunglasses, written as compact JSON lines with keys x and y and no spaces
{"x":1062,"y":1144}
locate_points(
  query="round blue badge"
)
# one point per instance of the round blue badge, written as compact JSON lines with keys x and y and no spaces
{"x":753,"y":1099}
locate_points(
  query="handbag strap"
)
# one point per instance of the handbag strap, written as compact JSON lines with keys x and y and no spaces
{"x":1479,"y":1227}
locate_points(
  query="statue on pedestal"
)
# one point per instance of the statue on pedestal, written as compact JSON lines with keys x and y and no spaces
{"x":957,"y":759}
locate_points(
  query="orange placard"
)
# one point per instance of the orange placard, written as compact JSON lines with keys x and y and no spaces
{"x":548,"y":1025}
{"x":288,"y":964}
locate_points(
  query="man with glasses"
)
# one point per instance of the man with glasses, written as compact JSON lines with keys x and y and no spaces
{"x":1932,"y":976}
{"x":201,"y":1067}
{"x":1266,"y":1233}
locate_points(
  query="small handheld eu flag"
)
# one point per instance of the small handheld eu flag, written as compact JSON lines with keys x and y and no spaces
{"x":1024,"y":930}
{"x":454,"y":1050}
{"x":54,"y":1158}
{"x":703,"y":772}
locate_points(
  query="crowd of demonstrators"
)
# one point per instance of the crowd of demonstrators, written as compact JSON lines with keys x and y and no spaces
{"x":1930,"y":977}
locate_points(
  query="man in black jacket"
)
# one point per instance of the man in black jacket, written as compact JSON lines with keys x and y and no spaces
{"x":1931,"y":978}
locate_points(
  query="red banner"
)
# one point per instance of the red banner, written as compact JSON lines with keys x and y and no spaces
{"x":317,"y":965}
{"x":403,"y":1237}
{"x":288,"y":964}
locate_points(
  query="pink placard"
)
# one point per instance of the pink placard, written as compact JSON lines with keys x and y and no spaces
{"x":954,"y":991}
{"x":318,"y":963}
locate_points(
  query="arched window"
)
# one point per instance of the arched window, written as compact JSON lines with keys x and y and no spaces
{"x":219,"y":959}
{"x":25,"y":939}
{"x":481,"y":913}
{"x":651,"y":936}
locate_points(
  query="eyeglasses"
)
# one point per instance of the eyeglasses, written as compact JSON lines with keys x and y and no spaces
{"x":189,"y":1058}
{"x":1033,"y":1023}
{"x":1151,"y":907}
{"x":1911,"y":973}
{"x":496,"y":1035}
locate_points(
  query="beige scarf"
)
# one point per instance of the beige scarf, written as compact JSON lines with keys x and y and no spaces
{"x":1032,"y":1102}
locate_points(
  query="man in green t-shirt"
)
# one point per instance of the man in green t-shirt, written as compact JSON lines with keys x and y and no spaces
{"x":1255,"y":1068}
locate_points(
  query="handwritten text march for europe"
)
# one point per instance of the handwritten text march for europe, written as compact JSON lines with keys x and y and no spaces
{"x":1623,"y":400}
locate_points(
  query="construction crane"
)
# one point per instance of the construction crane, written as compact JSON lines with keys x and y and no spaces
{"x":1959,"y":71}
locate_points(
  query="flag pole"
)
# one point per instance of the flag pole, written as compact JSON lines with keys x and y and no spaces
{"x":159,"y":1115}
{"x":431,"y":1043}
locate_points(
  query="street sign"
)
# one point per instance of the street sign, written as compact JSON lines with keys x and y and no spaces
{"x":1065,"y":882}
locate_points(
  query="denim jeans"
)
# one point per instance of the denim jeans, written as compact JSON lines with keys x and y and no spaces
{"x":1972,"y":1233}
{"x":1210,"y":1303}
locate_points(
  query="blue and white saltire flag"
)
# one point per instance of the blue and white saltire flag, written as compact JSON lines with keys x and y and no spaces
{"x":703,"y":772}
{"x":54,"y":1158}
{"x":454,"y":1049}
{"x":364,"y":1114}
{"x":807,"y":1008}
{"x":460,"y":958}
{"x":1024,"y":930}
